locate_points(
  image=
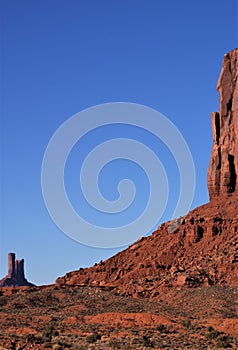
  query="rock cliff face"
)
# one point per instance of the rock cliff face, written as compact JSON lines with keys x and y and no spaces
{"x":223,"y":168}
{"x":16,"y":276}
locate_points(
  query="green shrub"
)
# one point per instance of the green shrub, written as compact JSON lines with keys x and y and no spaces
{"x":162,"y":328}
{"x":92,"y":338}
{"x":212,"y":333}
{"x":235,"y":341}
{"x":186,"y":323}
{"x":223,"y":342}
{"x":13,"y":345}
{"x":147,"y":342}
{"x":29,"y":338}
{"x":115,"y":343}
{"x":49,"y":331}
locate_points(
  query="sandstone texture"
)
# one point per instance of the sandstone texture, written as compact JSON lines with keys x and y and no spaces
{"x":16,"y":275}
{"x":223,"y":168}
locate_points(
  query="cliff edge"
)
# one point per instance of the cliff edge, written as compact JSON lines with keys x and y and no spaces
{"x":223,"y":168}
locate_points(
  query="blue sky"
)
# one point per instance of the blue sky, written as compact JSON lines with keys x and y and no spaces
{"x":60,"y":57}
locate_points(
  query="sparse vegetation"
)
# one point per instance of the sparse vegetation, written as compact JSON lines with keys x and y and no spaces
{"x":67,"y":320}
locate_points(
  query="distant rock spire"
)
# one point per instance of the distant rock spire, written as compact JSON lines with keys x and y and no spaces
{"x":222,"y":176}
{"x":11,"y":265}
{"x":15,"y":276}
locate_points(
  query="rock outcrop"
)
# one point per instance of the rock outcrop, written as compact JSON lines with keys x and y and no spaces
{"x":15,"y":276}
{"x":223,"y":168}
{"x":202,"y":251}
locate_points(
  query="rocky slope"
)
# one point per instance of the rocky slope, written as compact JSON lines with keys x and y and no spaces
{"x":203,"y":250}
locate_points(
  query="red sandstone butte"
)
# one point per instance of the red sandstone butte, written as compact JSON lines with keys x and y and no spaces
{"x":203,"y":248}
{"x":223,"y":168}
{"x":15,"y":276}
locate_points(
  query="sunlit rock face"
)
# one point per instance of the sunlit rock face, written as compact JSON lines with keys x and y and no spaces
{"x":223,"y":168}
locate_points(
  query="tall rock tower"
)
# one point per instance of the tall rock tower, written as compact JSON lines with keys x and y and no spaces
{"x":223,"y":168}
{"x":11,"y":265}
{"x":16,"y":275}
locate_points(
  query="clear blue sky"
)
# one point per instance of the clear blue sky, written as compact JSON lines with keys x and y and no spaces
{"x":60,"y":57}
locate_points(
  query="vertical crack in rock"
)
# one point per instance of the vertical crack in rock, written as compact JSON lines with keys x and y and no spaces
{"x":232,"y":172}
{"x":217,"y":127}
